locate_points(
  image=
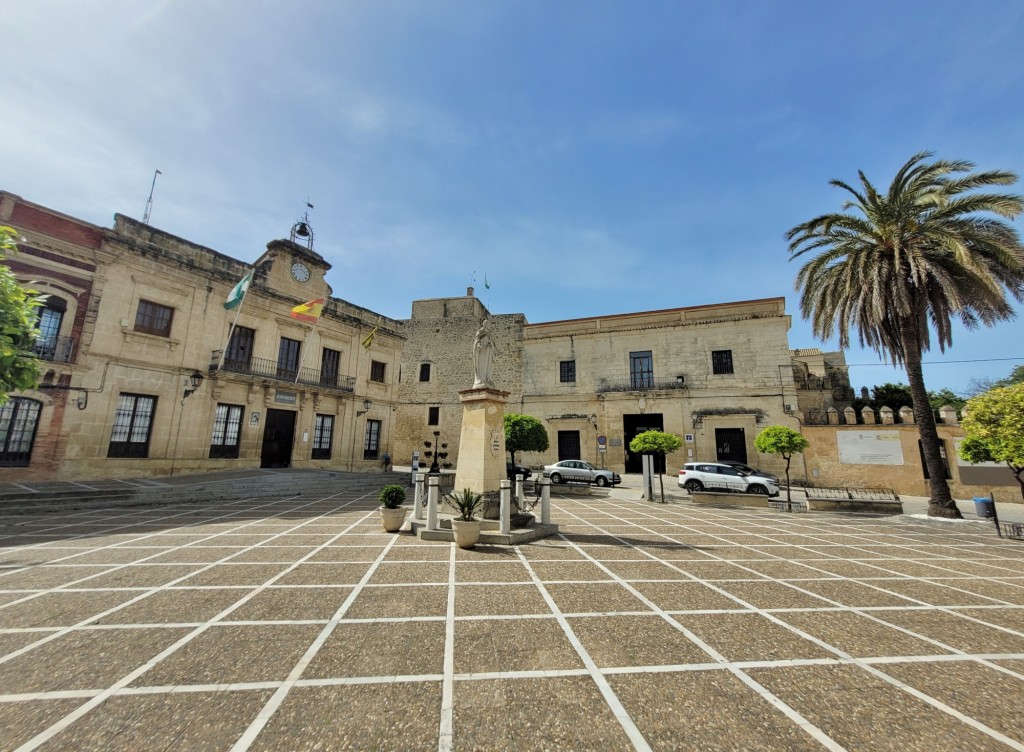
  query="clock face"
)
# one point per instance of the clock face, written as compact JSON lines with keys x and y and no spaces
{"x":300,"y":271}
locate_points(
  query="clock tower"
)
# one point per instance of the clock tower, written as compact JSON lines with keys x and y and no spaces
{"x":293,"y":270}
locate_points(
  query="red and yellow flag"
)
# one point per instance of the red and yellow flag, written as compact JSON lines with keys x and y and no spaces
{"x":309,"y":312}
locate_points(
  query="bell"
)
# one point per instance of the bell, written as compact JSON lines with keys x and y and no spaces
{"x":302,"y":230}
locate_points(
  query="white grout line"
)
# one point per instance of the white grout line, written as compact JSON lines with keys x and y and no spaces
{"x":636,"y":738}
{"x":263,"y":717}
{"x":445,"y":742}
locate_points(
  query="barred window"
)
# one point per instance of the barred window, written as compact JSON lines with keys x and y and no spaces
{"x":153,"y":318}
{"x":721,"y":361}
{"x":377,"y":371}
{"x":372,"y":445}
{"x":18,"y":420}
{"x":323,"y":434}
{"x":227,"y":422}
{"x":567,"y":372}
{"x":133,"y":423}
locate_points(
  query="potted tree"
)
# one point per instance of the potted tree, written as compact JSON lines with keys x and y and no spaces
{"x":465,"y":527}
{"x":392,"y":515}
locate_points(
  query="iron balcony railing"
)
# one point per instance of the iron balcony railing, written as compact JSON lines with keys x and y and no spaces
{"x":55,"y":349}
{"x":271,"y":369}
{"x":639,"y":384}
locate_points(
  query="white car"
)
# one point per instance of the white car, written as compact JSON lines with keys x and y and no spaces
{"x":718,"y":476}
{"x":578,"y":471}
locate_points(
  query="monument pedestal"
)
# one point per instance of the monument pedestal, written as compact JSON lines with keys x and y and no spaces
{"x":482,"y":464}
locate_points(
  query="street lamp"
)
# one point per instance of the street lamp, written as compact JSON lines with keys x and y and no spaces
{"x":195,"y":381}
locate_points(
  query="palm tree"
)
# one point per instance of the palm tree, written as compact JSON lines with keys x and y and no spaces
{"x":900,"y":264}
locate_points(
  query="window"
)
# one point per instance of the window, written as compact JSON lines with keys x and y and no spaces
{"x":641,"y":370}
{"x":567,"y":372}
{"x":18,"y":420}
{"x":153,"y":318}
{"x":50,"y":317}
{"x":329,"y":367}
{"x":323,"y":433}
{"x":721,"y":361}
{"x":133,"y":422}
{"x":238,"y":357}
{"x":433,"y":416}
{"x":377,"y":371}
{"x":372,"y":445}
{"x":288,"y":359}
{"x":568,"y":445}
{"x":227,"y":423}
{"x":424,"y":371}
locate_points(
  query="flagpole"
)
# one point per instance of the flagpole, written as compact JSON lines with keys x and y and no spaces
{"x":310,"y":338}
{"x":231,"y":330}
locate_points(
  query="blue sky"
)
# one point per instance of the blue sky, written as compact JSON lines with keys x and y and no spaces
{"x":587,"y":157}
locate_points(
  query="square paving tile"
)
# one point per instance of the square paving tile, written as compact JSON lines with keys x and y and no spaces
{"x":60,"y":608}
{"x":541,"y":551}
{"x":398,"y":716}
{"x":292,"y":604}
{"x":84,"y":659}
{"x":594,"y":598}
{"x":409,"y":573}
{"x":717,"y":570}
{"x":193,"y":721}
{"x":380,"y":649}
{"x":227,"y":654}
{"x":750,"y":637}
{"x":569,"y":571}
{"x":428,"y":552}
{"x":551,"y":714}
{"x":934,"y":593}
{"x":390,"y":602}
{"x":325,"y":574}
{"x":994,"y":589}
{"x":787,"y":570}
{"x":196,"y":555}
{"x":142,"y":576}
{"x":235,"y":574}
{"x":686,"y":596}
{"x":494,"y":645}
{"x":46,"y":577}
{"x":646,"y":570}
{"x":772,"y":595}
{"x":272,"y":554}
{"x":176,"y":606}
{"x":855,"y":594}
{"x":860,"y":711}
{"x":498,"y":600}
{"x":706,"y":710}
{"x":858,"y":635}
{"x":500,"y":571}
{"x":635,"y":641}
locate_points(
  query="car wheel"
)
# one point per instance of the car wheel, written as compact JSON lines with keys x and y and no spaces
{"x":757,"y":488}
{"x":694,"y":485}
{"x":601,"y":481}
{"x":556,"y":478}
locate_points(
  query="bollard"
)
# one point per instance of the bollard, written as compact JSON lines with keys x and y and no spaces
{"x":432,"y":502}
{"x":506,"y":508}
{"x":545,"y":501}
{"x":520,"y":494}
{"x":418,"y":497}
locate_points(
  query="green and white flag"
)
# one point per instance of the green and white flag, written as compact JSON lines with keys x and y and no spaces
{"x":237,"y":293}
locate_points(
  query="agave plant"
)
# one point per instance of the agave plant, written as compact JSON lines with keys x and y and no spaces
{"x":467,"y":503}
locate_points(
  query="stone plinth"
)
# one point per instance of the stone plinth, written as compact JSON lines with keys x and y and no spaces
{"x":482,"y":463}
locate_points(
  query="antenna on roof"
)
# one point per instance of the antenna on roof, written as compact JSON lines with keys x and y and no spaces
{"x":149,"y":201}
{"x":302,"y":231}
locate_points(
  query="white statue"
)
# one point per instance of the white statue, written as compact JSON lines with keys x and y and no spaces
{"x":483,"y":357}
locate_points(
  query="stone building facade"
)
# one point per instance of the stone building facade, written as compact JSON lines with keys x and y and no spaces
{"x":133,"y":313}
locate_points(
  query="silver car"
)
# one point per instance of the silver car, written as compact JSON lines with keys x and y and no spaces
{"x":578,"y":471}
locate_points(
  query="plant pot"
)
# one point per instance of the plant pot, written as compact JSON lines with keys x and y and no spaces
{"x":466,"y":533}
{"x":392,"y":519}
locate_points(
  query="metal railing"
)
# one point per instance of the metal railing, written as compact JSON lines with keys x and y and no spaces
{"x":638,"y":384}
{"x":56,"y":350}
{"x":271,"y":369}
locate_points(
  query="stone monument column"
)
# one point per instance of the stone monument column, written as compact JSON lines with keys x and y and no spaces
{"x":482,"y":461}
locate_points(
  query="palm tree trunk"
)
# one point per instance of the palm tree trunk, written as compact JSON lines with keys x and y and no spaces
{"x":941,"y":503}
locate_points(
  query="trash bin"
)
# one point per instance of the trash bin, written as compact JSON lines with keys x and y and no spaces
{"x":984,"y":506}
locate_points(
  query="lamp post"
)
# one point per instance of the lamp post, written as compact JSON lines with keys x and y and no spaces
{"x":436,"y":454}
{"x":194,"y":382}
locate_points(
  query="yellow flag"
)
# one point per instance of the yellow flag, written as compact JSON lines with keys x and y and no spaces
{"x":368,"y":340}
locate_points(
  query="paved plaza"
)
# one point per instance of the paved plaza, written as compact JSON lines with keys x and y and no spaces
{"x":295,"y":624}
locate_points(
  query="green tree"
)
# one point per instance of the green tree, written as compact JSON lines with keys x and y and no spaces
{"x":979,"y":385}
{"x":994,"y":426}
{"x":657,"y":443}
{"x":785,"y":441}
{"x":19,"y":368}
{"x":524,"y":433}
{"x":946,"y":396}
{"x":896,"y":266}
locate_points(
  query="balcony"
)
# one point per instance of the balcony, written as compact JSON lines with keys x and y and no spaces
{"x":265,"y":368}
{"x":639,"y":384}
{"x":55,"y":349}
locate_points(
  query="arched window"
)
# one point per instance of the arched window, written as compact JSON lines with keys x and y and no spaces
{"x":51,"y":315}
{"x":19,"y":418}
